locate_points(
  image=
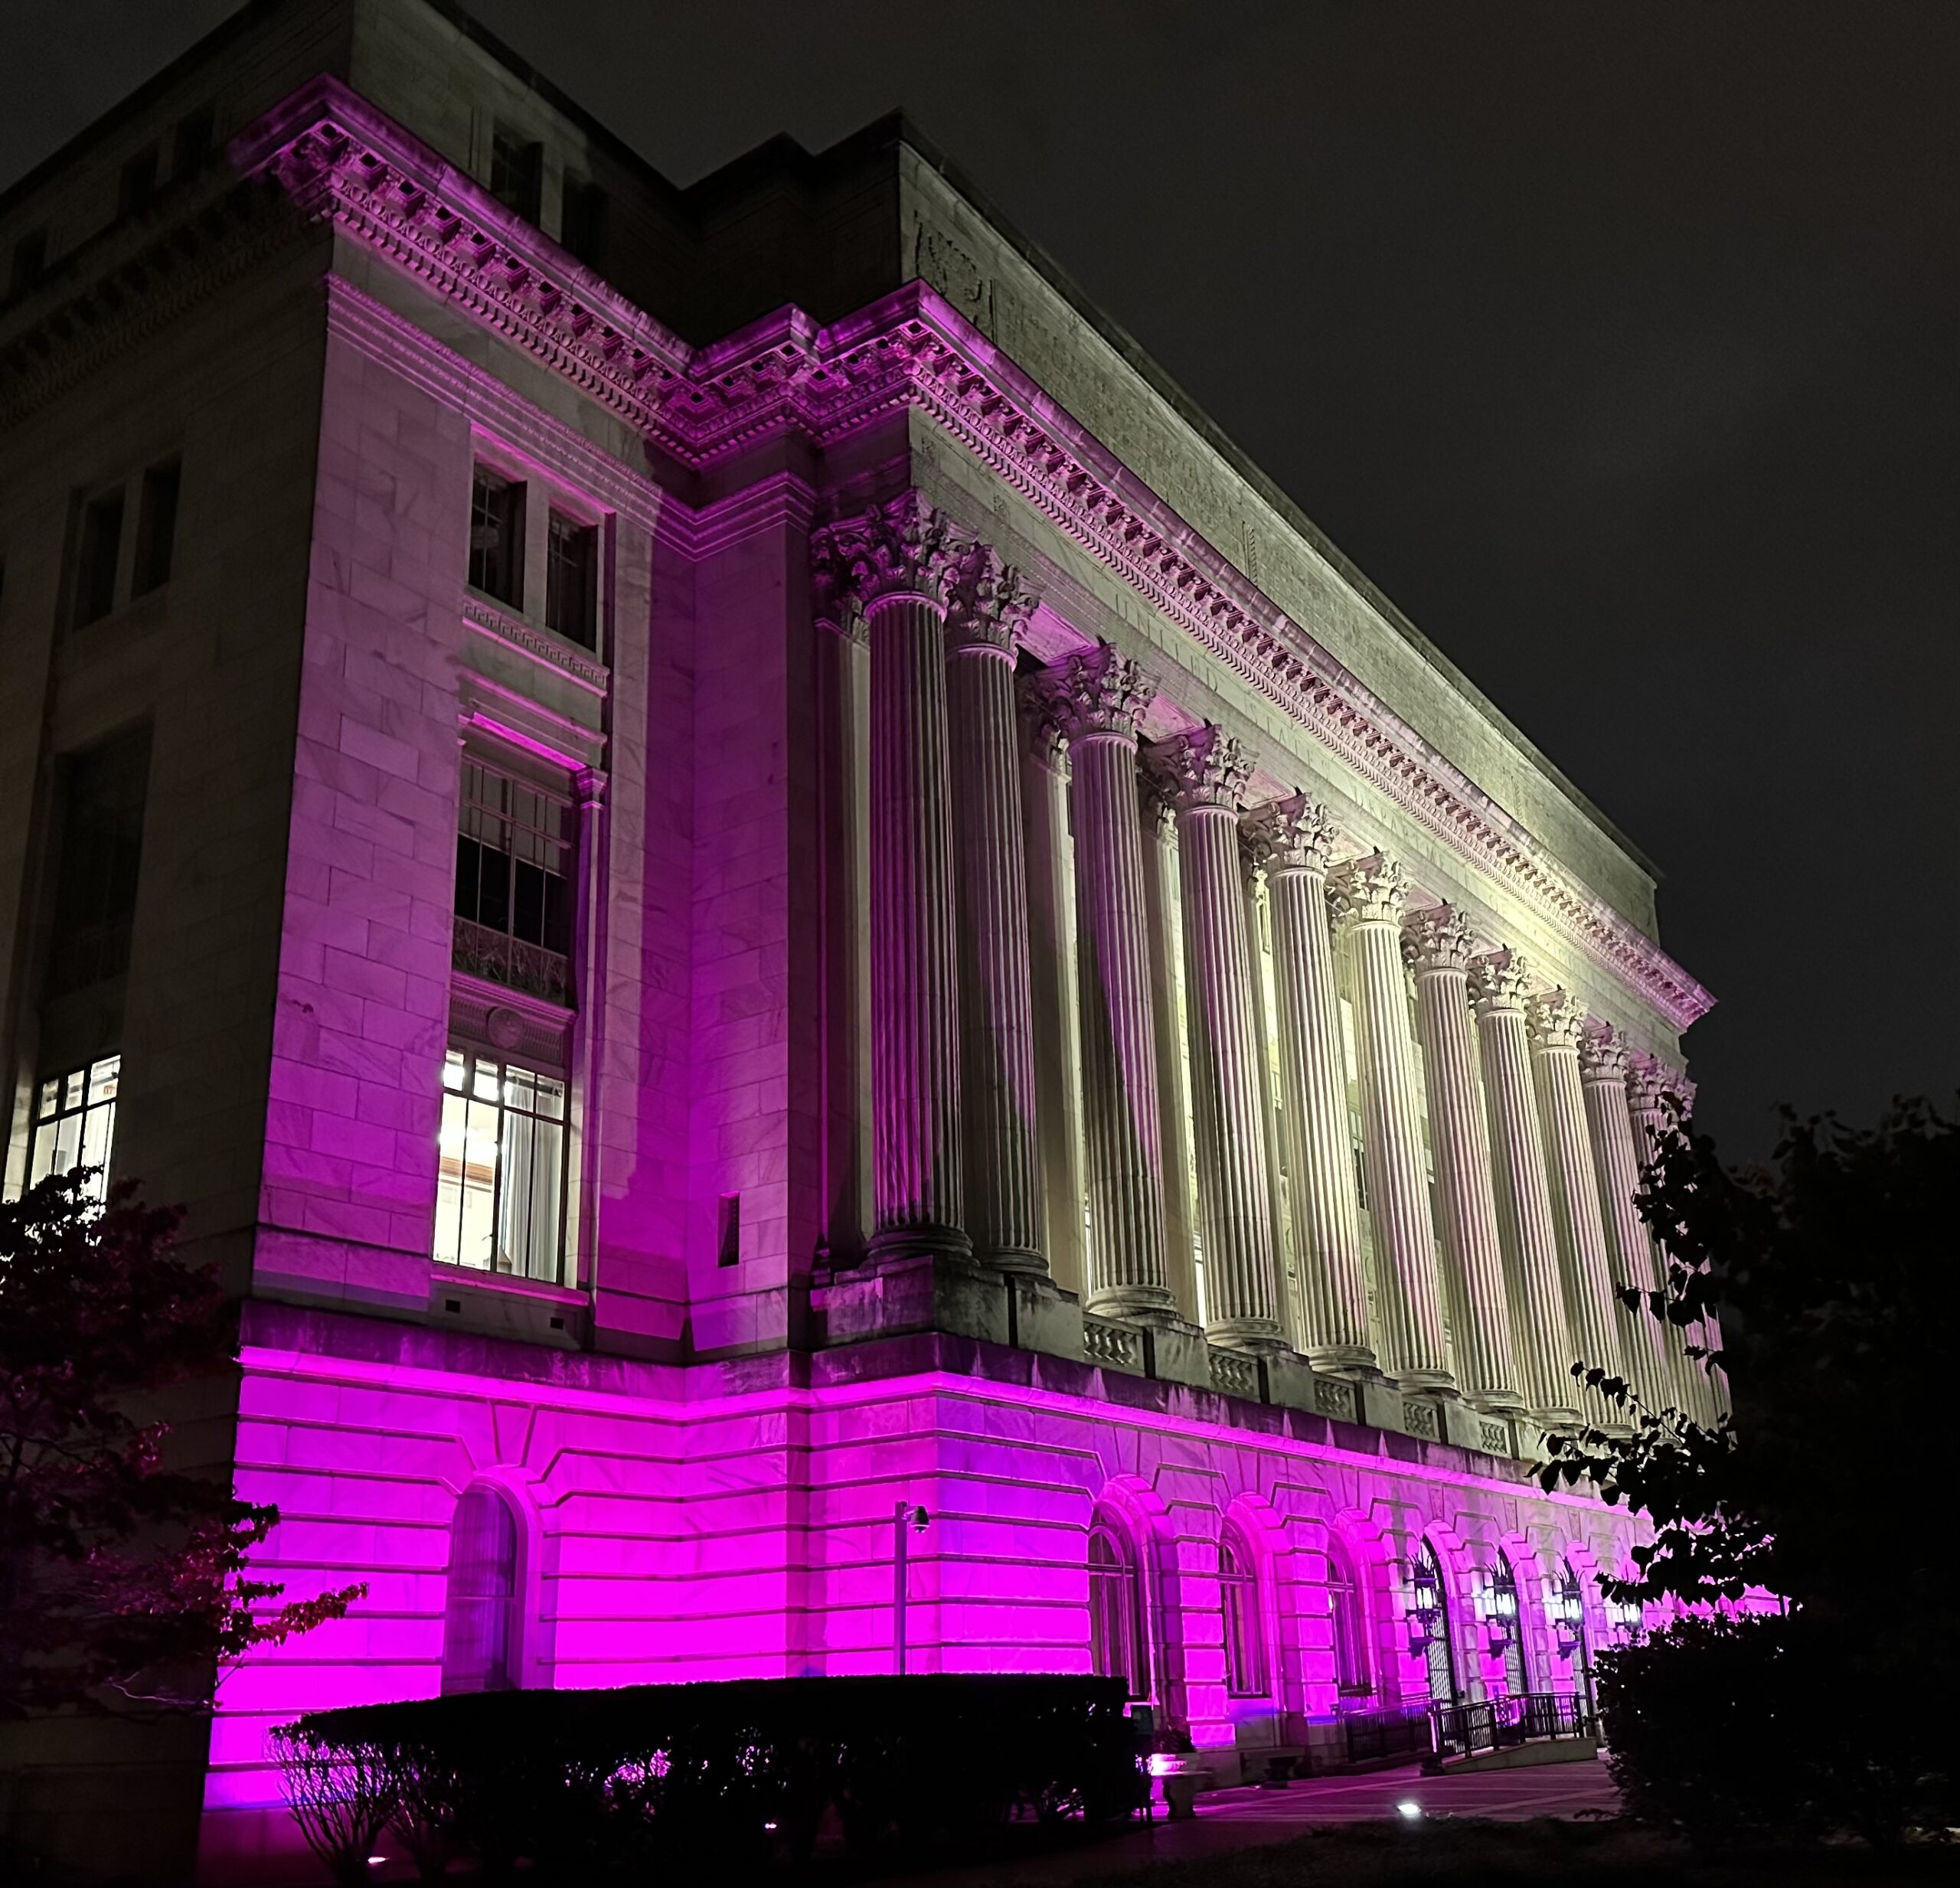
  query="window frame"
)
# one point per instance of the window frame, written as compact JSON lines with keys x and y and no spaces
{"x":1241,"y":1595}
{"x":508,"y":518}
{"x":467,"y":1061}
{"x":46,"y":1115}
{"x":555,"y":980}
{"x":562,"y":525}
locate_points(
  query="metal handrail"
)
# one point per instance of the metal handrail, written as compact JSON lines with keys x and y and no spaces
{"x":1464,"y":1730}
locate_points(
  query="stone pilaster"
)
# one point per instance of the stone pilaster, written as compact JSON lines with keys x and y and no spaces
{"x":989,"y":608}
{"x":1161,"y":871}
{"x":1657,"y":1098}
{"x":1294,"y":840}
{"x":1540,"y":1332}
{"x":1100,"y":697}
{"x":1602,"y":1072}
{"x":1556,"y":1023}
{"x":1438,"y":945}
{"x":897,"y":563}
{"x":1203,"y":774}
{"x":1370,"y":892}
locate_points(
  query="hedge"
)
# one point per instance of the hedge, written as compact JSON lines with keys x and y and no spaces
{"x":582,"y":1784}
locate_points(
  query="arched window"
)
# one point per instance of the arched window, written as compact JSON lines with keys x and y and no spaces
{"x":481,"y":1640}
{"x":1117,"y":1648}
{"x":1429,"y":1623}
{"x":1508,"y":1627}
{"x":1245,"y":1643}
{"x":1353,"y":1677}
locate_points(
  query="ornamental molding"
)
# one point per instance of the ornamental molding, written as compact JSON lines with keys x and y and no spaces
{"x":1371,"y":889}
{"x":1437,"y":941}
{"x":1203,"y":768}
{"x":905,"y":550}
{"x":1295,"y":835}
{"x":990,"y":602}
{"x":1603,"y":1056}
{"x":539,"y":646}
{"x":1096,"y":692}
{"x":344,"y":163}
{"x":1557,"y":1022}
{"x":1502,"y":980}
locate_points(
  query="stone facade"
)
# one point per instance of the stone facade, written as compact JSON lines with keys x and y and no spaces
{"x":1021,"y":985}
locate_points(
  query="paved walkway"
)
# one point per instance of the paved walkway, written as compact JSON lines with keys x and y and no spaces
{"x":1233,"y":1819}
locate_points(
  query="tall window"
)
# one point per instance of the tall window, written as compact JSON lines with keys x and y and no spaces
{"x":514,"y":862}
{"x":582,"y":220}
{"x":571,"y":580}
{"x":156,"y":527}
{"x":1429,"y":1624}
{"x":496,"y":537}
{"x":1353,"y":1676}
{"x":95,"y":566}
{"x":481,"y":1639}
{"x":1245,"y":1645}
{"x":1116,"y":1643}
{"x":1508,"y":1627}
{"x":500,"y":1189}
{"x":517,"y":172}
{"x":100,"y":844}
{"x":74,"y":1121}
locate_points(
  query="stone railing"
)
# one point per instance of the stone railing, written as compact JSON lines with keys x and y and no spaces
{"x":497,"y":957}
{"x":1234,"y":1375}
{"x":1333,"y":1399}
{"x":1105,"y":1341}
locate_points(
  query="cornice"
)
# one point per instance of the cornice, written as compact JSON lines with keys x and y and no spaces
{"x":343,"y":162}
{"x":514,"y":632}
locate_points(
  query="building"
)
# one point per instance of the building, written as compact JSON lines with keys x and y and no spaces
{"x":749,"y":881}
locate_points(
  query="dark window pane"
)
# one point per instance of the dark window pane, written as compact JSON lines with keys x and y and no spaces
{"x":95,"y":573}
{"x":139,"y":183}
{"x":30,"y":262}
{"x":192,"y":144}
{"x":493,"y":903}
{"x":571,"y":589}
{"x":468,"y":859}
{"x":156,"y":526}
{"x":527,"y":913}
{"x":100,"y":842}
{"x":517,"y":173}
{"x":582,"y":222}
{"x":496,"y":538}
{"x":557,"y":915}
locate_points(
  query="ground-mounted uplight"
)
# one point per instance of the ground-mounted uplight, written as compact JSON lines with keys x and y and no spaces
{"x":1410,"y":1812}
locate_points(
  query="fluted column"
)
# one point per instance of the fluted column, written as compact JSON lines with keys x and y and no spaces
{"x":1204,"y":774}
{"x":1439,"y":948}
{"x":1370,"y":891}
{"x":1294,"y":840}
{"x":1101,"y":696}
{"x":1557,"y":1021}
{"x":898,"y":560}
{"x":1540,"y":1331}
{"x":1158,"y":825}
{"x":989,"y":608}
{"x":1044,"y":779}
{"x":1655,"y":1103}
{"x":1602,"y":1072}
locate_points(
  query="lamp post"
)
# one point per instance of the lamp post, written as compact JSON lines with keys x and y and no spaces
{"x":905,"y":1517}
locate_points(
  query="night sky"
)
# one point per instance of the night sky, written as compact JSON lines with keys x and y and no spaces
{"x":1617,"y":342}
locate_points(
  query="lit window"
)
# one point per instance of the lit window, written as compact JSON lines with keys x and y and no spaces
{"x":95,"y":567}
{"x":496,"y":538}
{"x":514,"y":883}
{"x":517,"y":173}
{"x":1245,"y":1651}
{"x":480,"y":1635}
{"x":571,"y":587}
{"x":74,"y":1122}
{"x":1116,"y":1616}
{"x":500,"y":1189}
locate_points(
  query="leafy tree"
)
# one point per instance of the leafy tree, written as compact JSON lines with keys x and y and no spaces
{"x":120,"y":1578}
{"x":1830,"y":1275}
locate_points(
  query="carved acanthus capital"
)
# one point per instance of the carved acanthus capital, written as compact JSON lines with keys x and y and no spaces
{"x":906,"y":547}
{"x":1654,"y":1089}
{"x":1502,"y":980}
{"x":1295,"y":835}
{"x":1603,"y":1056}
{"x":1557,"y":1020}
{"x":1043,"y":721}
{"x":834,"y":604}
{"x":1438,"y":940}
{"x":990,"y":602}
{"x":1099,"y":691}
{"x":1205,"y":767}
{"x":1369,"y":890}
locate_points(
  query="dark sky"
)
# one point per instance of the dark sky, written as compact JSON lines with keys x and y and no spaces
{"x":1616,"y":340}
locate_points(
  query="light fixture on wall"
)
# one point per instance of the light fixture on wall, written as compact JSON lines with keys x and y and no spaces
{"x":1499,"y":1606}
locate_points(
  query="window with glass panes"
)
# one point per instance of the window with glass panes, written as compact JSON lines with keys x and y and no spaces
{"x":500,"y":1187}
{"x":571,"y":580}
{"x":496,"y":537}
{"x":74,"y":1121}
{"x":514,"y":862}
{"x":1245,"y":1649}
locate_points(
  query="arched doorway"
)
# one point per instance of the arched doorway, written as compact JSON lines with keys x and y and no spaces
{"x":1508,"y":1627}
{"x":1428,"y":1618}
{"x":481,"y":1637}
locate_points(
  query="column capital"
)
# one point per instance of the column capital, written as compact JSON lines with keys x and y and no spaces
{"x":1557,"y":1021}
{"x":1653,"y":1088}
{"x":1099,"y":691}
{"x":1204,"y":767}
{"x":1295,"y":835}
{"x":1500,"y":980}
{"x":1371,"y":890}
{"x":904,"y":548}
{"x":1603,"y":1056}
{"x":589,"y":784}
{"x":989,"y":602}
{"x":1438,"y":940}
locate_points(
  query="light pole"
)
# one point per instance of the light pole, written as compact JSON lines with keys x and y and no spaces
{"x":904,"y":1516}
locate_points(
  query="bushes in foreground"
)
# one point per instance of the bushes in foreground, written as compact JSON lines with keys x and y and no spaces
{"x":585,"y":1784}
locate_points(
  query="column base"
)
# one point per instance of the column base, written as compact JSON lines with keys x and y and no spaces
{"x":1245,"y":1333}
{"x":1427,"y":1381}
{"x":1139,"y":1304}
{"x":1497,"y":1402}
{"x":1341,"y":1360}
{"x":892,"y":1297}
{"x":1561,"y":1422}
{"x":1022,"y":1260}
{"x":893,"y":1243}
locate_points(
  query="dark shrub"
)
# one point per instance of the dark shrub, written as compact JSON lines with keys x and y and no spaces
{"x":585,"y":1783}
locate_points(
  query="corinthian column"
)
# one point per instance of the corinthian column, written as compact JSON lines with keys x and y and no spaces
{"x":1557,"y":1021}
{"x":1294,"y":841}
{"x":1439,"y":948}
{"x":898,"y":560}
{"x":1655,"y":1102}
{"x":1602,"y":1072}
{"x":1413,"y":1349}
{"x":1540,"y":1332}
{"x":1158,"y":819}
{"x":1100,"y":697}
{"x":1203,"y":774}
{"x":989,"y":609}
